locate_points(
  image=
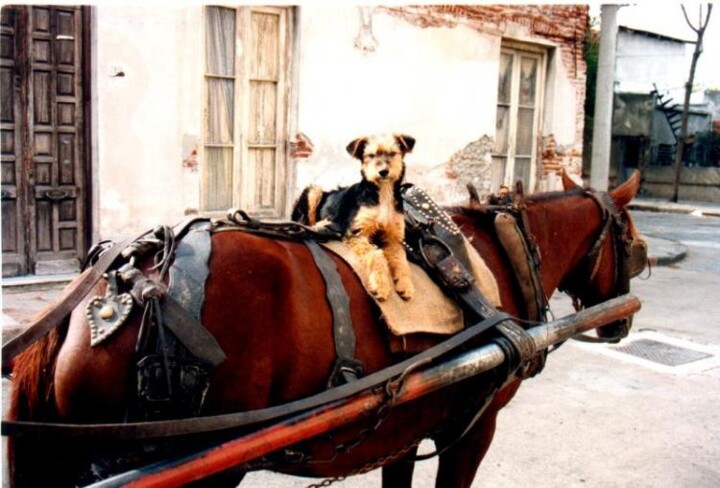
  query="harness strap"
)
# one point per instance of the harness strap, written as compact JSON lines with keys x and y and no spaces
{"x":199,"y":425}
{"x":436,"y":242}
{"x":346,"y":368}
{"x":182,"y":306}
{"x":53,"y":315}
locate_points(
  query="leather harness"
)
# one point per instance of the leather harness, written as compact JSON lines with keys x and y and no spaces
{"x":428,"y":239}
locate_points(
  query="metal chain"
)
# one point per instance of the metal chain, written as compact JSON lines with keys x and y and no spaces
{"x":392,"y":389}
{"x":371,"y":466}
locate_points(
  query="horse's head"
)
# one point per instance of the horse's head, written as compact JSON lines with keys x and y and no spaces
{"x":616,"y":254}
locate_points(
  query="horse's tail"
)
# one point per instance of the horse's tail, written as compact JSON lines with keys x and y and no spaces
{"x":33,"y":399}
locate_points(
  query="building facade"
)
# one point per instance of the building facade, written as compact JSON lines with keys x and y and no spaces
{"x":651,"y":72}
{"x":116,"y":118}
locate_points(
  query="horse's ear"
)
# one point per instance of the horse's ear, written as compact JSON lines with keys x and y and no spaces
{"x":623,"y":194}
{"x":357,"y":147}
{"x":406,"y":142}
{"x":567,"y":182}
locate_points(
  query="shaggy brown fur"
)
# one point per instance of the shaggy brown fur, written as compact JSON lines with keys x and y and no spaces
{"x":369,"y":214}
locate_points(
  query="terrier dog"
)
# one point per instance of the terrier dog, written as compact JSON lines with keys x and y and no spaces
{"x":368,"y":214}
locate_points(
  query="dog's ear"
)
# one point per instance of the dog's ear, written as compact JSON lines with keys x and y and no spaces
{"x":357,"y":147}
{"x":405,"y":142}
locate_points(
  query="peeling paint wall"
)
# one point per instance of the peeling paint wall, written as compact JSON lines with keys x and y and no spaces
{"x":429,"y":71}
{"x":433,"y":74}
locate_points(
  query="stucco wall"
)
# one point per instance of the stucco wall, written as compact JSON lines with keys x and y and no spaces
{"x":643,"y":60}
{"x":149,"y":120}
{"x":436,"y":81}
{"x":437,"y":84}
{"x":433,"y":75}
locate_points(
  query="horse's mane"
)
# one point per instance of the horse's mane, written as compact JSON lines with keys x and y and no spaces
{"x":482,"y":211}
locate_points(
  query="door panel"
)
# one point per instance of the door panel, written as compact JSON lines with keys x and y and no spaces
{"x":44,"y":223}
{"x":14,"y":259}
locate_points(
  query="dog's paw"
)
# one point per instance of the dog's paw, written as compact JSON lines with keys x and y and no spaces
{"x":405,"y":288}
{"x":379,"y":286}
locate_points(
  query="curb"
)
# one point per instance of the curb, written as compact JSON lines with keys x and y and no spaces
{"x":19,"y":284}
{"x":675,"y":209}
{"x":646,"y":207}
{"x":670,"y":251}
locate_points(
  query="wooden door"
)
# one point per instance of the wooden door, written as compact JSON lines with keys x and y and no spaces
{"x":43,"y":188}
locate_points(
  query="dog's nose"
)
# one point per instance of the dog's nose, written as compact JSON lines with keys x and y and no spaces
{"x":384,"y":173}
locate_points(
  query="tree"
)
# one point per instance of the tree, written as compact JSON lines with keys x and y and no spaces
{"x":699,"y":32}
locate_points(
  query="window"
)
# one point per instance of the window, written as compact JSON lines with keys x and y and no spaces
{"x":246,"y":110}
{"x":518,"y":115}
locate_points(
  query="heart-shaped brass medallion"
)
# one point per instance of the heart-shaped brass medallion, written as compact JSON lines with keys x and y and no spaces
{"x":106,"y":314}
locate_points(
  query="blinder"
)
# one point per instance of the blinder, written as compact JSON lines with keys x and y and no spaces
{"x":638,"y":259}
{"x":630,"y":253}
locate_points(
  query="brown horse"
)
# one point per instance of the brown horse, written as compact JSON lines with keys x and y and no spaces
{"x":266,"y":307}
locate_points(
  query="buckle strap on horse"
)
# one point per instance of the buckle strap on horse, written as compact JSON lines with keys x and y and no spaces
{"x":346,"y":368}
{"x":187,"y":328}
{"x":434,"y":239}
{"x":283,"y":229}
{"x":55,"y":313}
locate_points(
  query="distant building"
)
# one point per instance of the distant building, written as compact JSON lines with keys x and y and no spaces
{"x":651,"y":71}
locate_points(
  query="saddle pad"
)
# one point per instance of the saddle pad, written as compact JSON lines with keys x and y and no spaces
{"x":430,"y":311}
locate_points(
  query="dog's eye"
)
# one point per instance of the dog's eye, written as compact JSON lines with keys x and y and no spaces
{"x":370,"y":155}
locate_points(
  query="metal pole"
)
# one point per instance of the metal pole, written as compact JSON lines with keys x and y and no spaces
{"x":604,"y":90}
{"x":324,"y":419}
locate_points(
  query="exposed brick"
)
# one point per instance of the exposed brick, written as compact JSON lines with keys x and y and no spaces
{"x":565,"y":25}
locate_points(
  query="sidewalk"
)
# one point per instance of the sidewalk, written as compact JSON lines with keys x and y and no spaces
{"x":706,"y":209}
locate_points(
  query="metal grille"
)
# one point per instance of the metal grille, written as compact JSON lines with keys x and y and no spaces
{"x":661,"y":352}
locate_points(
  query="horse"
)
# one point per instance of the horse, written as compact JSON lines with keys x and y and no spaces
{"x":265,"y":306}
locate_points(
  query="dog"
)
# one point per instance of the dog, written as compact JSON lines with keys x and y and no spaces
{"x":369,"y":214}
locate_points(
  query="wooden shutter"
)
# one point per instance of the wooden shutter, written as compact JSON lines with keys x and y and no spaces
{"x":245,"y":158}
{"x":520,"y":85}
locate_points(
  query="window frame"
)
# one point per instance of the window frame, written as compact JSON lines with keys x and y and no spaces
{"x":244,"y":175}
{"x":518,"y":50}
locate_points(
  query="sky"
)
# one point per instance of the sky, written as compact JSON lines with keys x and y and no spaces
{"x":667,"y":18}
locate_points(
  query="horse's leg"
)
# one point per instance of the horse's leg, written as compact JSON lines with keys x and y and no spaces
{"x":399,"y":474}
{"x":459,"y":464}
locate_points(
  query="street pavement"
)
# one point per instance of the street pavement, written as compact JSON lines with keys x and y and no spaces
{"x":597,"y":416}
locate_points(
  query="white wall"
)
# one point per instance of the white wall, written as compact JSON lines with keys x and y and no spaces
{"x":642,"y":60}
{"x":437,"y":84}
{"x":149,"y":120}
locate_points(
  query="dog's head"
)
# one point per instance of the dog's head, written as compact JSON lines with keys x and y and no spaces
{"x":382,"y":156}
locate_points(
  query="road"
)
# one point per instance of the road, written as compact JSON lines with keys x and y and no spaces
{"x":597,"y":417}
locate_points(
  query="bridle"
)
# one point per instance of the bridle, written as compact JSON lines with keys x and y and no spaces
{"x":629,"y":260}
